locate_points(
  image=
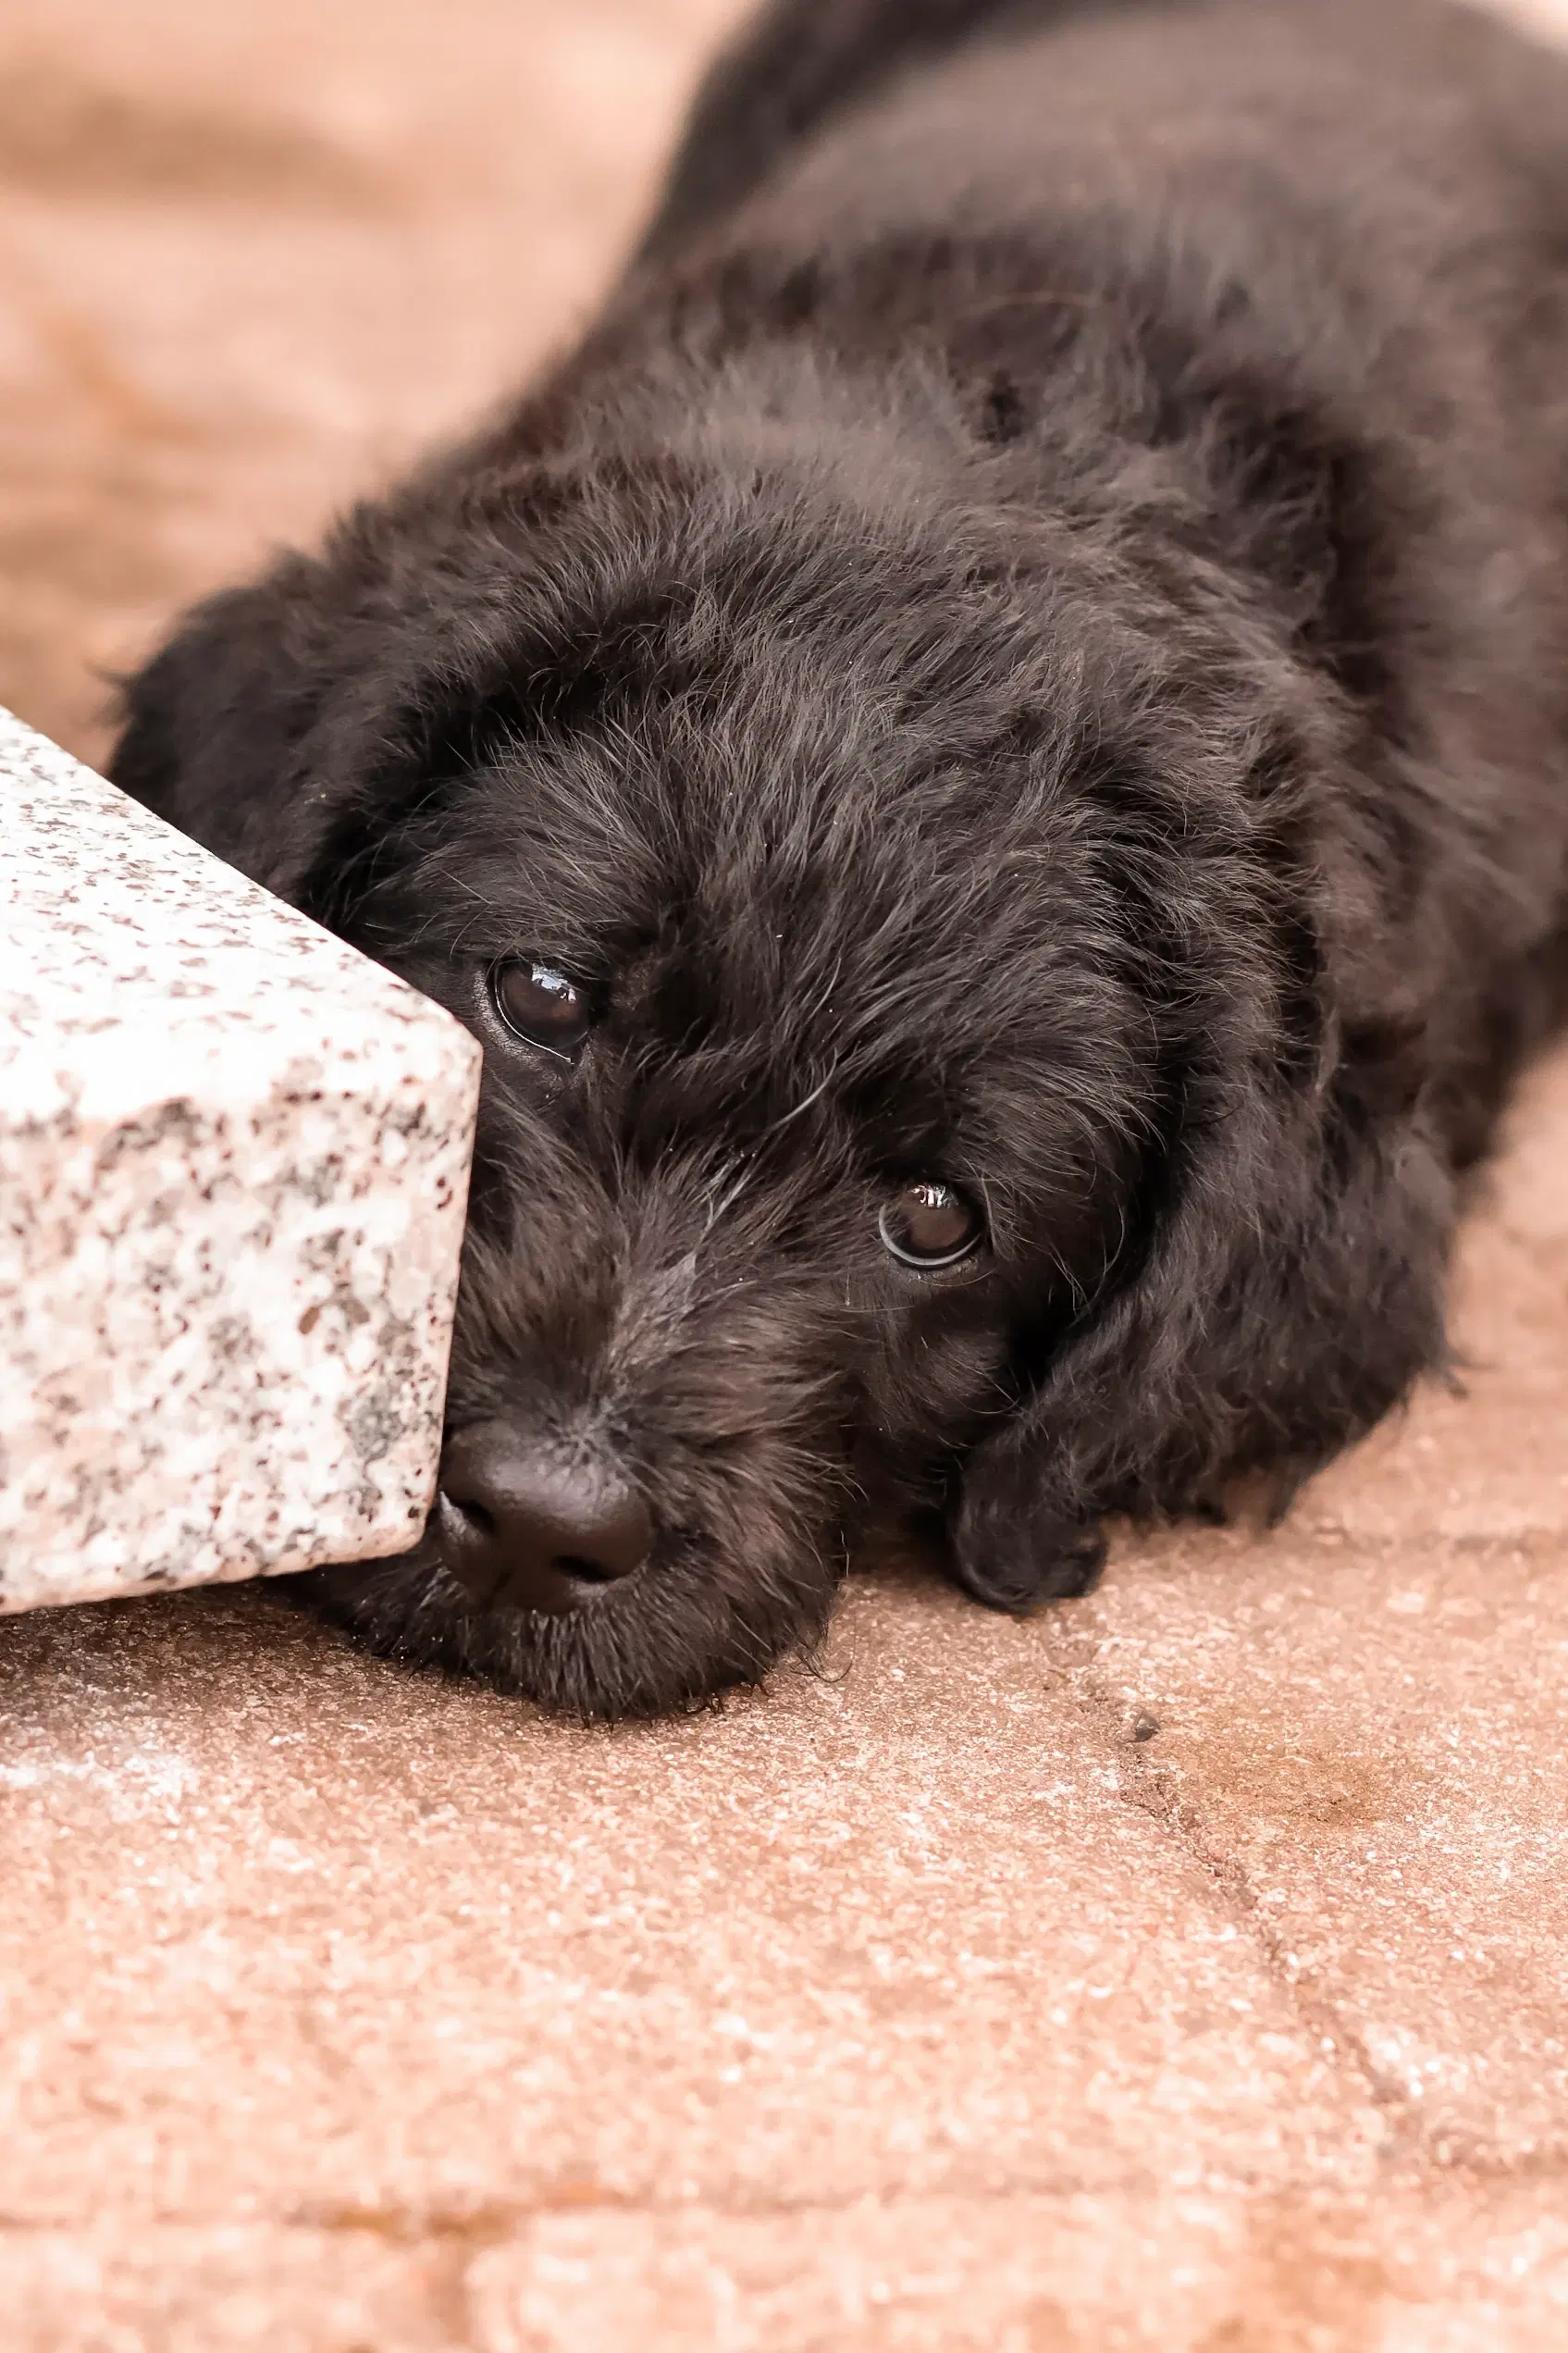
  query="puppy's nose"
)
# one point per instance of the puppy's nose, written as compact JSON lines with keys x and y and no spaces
{"x":523,"y":1531}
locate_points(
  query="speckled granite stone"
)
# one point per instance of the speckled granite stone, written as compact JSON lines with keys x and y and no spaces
{"x":233,"y":1170}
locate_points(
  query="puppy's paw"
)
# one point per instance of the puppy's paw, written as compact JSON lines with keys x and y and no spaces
{"x":1012,"y":1547}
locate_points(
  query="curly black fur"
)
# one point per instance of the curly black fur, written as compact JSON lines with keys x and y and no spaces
{"x":1028,"y":646}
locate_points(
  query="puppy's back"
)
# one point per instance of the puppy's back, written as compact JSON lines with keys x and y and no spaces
{"x":1431,"y":118}
{"x":1382,"y":191}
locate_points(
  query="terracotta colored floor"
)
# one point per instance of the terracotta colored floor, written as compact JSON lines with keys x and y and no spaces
{"x":1187,"y":1972}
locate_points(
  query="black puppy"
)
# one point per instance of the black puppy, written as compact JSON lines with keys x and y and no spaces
{"x":987,"y":759}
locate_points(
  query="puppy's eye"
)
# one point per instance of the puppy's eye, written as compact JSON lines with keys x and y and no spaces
{"x":929,"y":1225}
{"x":538,"y":1004}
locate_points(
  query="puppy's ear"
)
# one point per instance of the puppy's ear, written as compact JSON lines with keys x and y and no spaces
{"x":216,"y":723}
{"x":290,"y":724}
{"x":1289,"y":1290}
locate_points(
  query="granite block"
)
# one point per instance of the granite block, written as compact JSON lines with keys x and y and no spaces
{"x":233,"y":1173}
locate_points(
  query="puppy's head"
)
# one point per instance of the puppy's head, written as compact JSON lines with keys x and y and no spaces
{"x":799,"y":847}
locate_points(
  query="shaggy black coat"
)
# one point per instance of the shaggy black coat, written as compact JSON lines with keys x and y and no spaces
{"x":1027,"y":648}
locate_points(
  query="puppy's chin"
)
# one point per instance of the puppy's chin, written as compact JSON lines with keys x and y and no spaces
{"x":668,"y":1640}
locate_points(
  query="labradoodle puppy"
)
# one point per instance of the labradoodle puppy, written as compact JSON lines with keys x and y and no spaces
{"x":987,"y":757}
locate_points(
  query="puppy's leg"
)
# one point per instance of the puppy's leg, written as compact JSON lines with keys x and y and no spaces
{"x":1013,"y":1546}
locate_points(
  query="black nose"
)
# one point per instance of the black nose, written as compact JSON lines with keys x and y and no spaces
{"x":524,"y":1528}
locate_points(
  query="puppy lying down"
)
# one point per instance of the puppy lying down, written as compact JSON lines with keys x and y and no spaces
{"x":987,"y":759}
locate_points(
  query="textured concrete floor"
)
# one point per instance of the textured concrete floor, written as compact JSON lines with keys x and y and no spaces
{"x":1187,"y":1972}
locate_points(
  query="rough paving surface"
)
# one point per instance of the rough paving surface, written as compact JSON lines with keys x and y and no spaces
{"x":234,"y":1164}
{"x":1181,"y":1974}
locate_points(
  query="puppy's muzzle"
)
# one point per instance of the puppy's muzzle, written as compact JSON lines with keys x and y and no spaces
{"x":524,"y":1528}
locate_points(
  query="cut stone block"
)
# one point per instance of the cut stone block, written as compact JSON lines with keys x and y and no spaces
{"x":233,"y":1173}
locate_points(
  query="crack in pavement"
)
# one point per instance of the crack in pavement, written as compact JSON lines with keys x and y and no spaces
{"x":1122,"y":1729}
